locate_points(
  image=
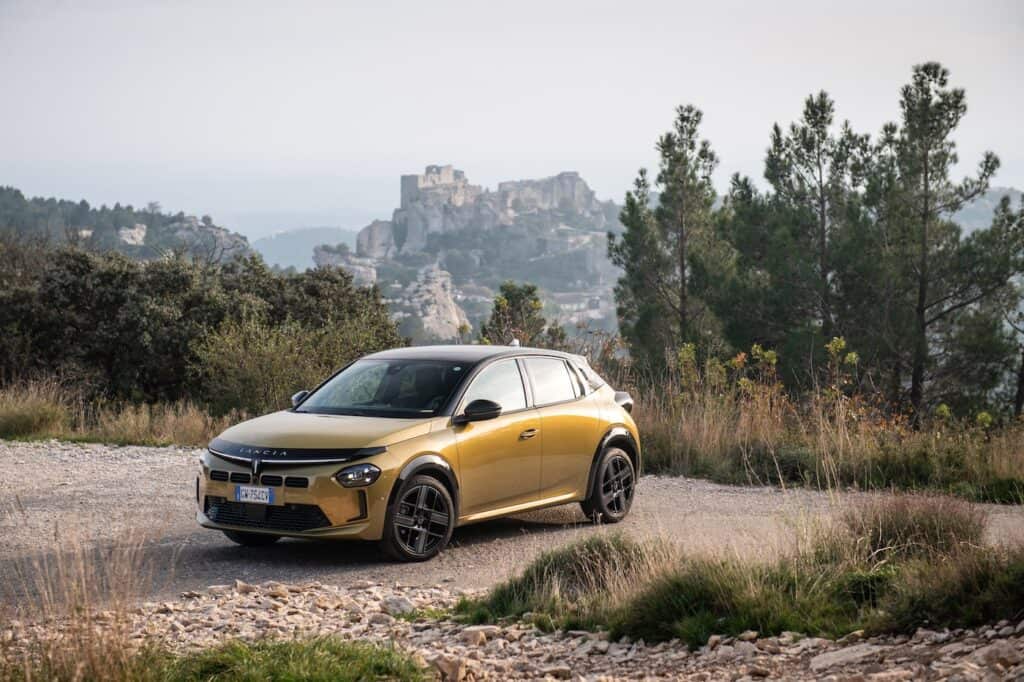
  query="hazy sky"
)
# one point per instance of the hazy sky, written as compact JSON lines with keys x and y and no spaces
{"x":271,"y":114}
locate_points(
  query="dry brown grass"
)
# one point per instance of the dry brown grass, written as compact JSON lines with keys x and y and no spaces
{"x":733,"y":422}
{"x":48,"y":409}
{"x":72,"y":615}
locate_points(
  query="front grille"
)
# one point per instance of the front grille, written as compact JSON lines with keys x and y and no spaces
{"x":237,"y":477}
{"x":218,"y":475}
{"x":270,"y":479}
{"x":290,"y":517}
{"x":297,"y":482}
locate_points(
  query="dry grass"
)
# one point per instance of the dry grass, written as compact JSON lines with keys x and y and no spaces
{"x":733,"y":422}
{"x":891,"y":563}
{"x":883,"y":527}
{"x":73,"y":612}
{"x":48,"y":409}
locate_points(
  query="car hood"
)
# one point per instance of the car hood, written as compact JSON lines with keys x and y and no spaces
{"x":288,"y":435}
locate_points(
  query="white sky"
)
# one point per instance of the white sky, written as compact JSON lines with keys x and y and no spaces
{"x":309,"y":111}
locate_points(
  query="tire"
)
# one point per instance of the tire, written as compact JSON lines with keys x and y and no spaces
{"x":251,"y":539}
{"x":611,"y":494}
{"x":420,"y":522}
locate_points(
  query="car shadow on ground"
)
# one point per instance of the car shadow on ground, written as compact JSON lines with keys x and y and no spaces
{"x":174,"y":563}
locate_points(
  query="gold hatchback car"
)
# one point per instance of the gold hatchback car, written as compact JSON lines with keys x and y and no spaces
{"x":403,"y":446}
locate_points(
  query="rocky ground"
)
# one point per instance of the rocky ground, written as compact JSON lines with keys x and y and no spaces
{"x":101,"y":494}
{"x":393,"y":615}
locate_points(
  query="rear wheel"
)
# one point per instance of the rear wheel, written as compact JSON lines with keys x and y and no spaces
{"x":420,"y":522}
{"x":611,"y":494}
{"x":251,"y":539}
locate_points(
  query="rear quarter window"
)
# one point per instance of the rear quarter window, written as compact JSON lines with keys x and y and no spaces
{"x":551,"y":381}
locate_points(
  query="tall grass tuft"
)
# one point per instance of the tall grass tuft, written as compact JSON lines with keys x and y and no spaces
{"x":32,"y":409}
{"x":74,"y":610}
{"x":913,"y":525}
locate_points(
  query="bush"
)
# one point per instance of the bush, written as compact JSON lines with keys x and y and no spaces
{"x":255,"y":366}
{"x":124,"y":330}
{"x":967,"y":588}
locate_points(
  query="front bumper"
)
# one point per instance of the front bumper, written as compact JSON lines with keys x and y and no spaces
{"x":308,"y":502}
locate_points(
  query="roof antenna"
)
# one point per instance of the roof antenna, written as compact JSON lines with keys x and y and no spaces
{"x":515,"y":343}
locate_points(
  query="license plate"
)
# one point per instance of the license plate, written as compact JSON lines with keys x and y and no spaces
{"x":249,"y":493}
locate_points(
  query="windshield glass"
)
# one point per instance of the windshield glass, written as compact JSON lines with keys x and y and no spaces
{"x":387,"y":388}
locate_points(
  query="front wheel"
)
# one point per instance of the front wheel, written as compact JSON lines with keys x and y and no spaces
{"x":420,"y":522}
{"x":250,"y":539}
{"x":611,"y":494}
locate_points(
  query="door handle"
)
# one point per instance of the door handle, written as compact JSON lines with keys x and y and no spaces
{"x":527,"y":434}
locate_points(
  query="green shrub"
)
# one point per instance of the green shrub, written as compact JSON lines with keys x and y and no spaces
{"x":963,"y":589}
{"x":702,"y":597}
{"x":255,"y":366}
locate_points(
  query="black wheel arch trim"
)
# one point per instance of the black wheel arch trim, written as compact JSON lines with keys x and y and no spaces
{"x":616,"y":436}
{"x":428,"y":463}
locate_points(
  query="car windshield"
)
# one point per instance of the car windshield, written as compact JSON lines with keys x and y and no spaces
{"x":387,"y":388}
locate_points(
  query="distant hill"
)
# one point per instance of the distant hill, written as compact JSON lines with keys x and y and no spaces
{"x":141,"y":233}
{"x":294,"y":248}
{"x":978,"y":214}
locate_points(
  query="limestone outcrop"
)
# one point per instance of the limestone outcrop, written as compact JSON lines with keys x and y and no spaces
{"x":442,"y":200}
{"x":431,"y":299}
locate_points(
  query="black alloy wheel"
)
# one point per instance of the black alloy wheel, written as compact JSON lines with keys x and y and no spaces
{"x":613,"y":489}
{"x":421,"y":520}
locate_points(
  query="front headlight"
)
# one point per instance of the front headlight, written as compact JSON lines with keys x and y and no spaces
{"x":358,"y":476}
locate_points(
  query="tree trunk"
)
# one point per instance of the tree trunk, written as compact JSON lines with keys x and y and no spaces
{"x":920,"y":311}
{"x":1018,"y":402}
{"x":683,"y":293}
{"x":823,"y":270}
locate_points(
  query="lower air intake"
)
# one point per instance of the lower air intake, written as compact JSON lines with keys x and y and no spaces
{"x":290,"y":517}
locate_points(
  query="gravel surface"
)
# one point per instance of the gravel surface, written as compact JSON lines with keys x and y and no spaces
{"x":100,"y":494}
{"x":369,"y":612}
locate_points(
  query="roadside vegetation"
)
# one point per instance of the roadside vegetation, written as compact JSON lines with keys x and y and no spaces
{"x":76,"y":600}
{"x":889,"y":564}
{"x":733,"y":421}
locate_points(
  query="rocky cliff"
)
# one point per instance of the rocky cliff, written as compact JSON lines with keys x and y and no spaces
{"x":450,"y":243}
{"x":441,"y":200}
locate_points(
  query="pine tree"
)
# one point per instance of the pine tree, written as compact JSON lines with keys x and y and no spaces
{"x":659,"y":294}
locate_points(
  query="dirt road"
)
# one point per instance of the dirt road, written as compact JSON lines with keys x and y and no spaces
{"x":99,"y":494}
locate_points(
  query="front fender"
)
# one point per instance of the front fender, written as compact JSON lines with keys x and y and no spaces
{"x":428,"y":463}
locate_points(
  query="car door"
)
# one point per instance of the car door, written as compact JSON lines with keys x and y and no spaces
{"x":499,"y":459}
{"x":570,"y":427}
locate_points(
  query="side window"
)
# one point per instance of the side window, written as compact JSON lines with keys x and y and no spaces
{"x":551,"y":381}
{"x":500,"y":382}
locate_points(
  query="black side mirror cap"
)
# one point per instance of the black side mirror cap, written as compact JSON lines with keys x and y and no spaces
{"x":299,"y":397}
{"x":624,"y":400}
{"x":478,"y":411}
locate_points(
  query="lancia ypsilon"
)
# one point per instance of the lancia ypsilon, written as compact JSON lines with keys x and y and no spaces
{"x":405,"y":445}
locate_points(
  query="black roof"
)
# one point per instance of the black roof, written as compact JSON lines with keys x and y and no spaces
{"x":470,"y":354}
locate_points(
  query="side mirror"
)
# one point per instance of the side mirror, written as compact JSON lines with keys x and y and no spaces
{"x":478,"y":411}
{"x":299,"y":397}
{"x":624,"y":400}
